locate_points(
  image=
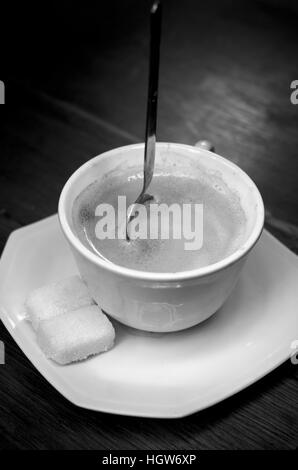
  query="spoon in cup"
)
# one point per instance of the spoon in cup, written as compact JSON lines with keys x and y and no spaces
{"x":150,"y":137}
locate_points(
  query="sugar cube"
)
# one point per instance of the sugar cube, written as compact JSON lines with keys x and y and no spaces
{"x":57,"y":298}
{"x":76,"y":335}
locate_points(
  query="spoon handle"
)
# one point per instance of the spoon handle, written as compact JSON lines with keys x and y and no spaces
{"x":150,"y":138}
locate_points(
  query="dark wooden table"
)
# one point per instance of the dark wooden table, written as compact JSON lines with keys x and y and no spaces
{"x":76,"y":79}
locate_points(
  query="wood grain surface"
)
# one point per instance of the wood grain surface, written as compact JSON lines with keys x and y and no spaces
{"x":76,"y":79}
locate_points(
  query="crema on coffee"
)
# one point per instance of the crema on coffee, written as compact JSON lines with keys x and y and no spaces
{"x":221,"y":222}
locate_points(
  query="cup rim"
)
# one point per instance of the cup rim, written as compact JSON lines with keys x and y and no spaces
{"x":160,"y":276}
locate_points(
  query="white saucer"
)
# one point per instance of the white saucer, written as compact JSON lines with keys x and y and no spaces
{"x":160,"y":375}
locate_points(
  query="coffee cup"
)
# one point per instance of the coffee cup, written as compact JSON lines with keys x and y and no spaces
{"x":161,"y":301}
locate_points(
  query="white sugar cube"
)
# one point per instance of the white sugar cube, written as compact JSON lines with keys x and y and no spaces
{"x":76,"y":335}
{"x":57,"y":298}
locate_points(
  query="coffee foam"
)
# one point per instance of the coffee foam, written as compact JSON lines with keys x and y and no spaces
{"x":224,"y":220}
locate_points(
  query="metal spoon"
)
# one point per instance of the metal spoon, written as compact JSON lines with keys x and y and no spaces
{"x":150,"y":138}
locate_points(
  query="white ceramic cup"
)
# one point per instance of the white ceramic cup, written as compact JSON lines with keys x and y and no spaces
{"x":161,"y":302}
